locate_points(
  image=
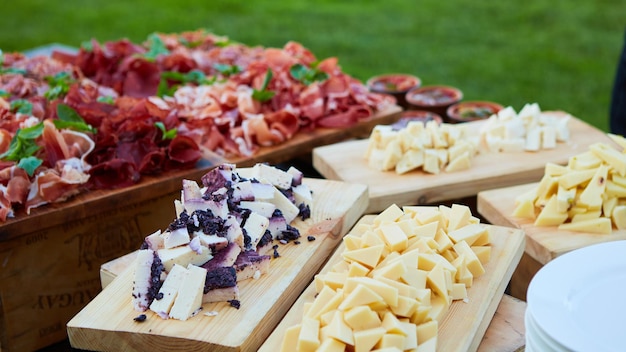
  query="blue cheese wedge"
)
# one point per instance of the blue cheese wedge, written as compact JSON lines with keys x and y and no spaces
{"x":189,"y":298}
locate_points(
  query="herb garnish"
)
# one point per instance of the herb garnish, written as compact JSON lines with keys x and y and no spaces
{"x":307,"y":75}
{"x":23,"y":147}
{"x":194,"y":76}
{"x":87,"y":45}
{"x":22,"y":106}
{"x":106,"y":99}
{"x":167,"y":134}
{"x":59,"y":85}
{"x":227,"y":70}
{"x":4,"y":93}
{"x":69,"y":118}
{"x":263,"y":94}
{"x":156,"y":47}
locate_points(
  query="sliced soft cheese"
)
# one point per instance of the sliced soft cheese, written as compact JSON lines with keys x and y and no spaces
{"x":183,"y":255}
{"x":189,"y":298}
{"x":169,"y":291}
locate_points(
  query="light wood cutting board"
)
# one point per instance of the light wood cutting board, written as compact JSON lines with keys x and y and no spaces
{"x":106,"y":323}
{"x":345,"y":162}
{"x":542,"y":243}
{"x":463,"y":327}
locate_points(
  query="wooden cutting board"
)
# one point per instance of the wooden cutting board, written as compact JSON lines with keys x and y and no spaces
{"x":106,"y":323}
{"x":542,"y":243}
{"x":151,"y":187}
{"x":344,"y":161}
{"x":463,"y":327}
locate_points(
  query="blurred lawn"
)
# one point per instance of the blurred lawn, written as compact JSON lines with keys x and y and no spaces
{"x":561,"y":54}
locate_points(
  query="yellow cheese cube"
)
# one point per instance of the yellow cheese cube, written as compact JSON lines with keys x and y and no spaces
{"x":308,"y":339}
{"x":525,"y":209}
{"x":619,"y":216}
{"x":410,"y":160}
{"x":325,"y":295}
{"x":391,"y":343}
{"x":591,"y":196}
{"x":406,"y":307}
{"x":615,"y":190}
{"x":389,"y":293}
{"x":553,"y":169}
{"x":431,"y":161}
{"x":599,"y":225}
{"x":584,"y":161}
{"x":588,"y":215}
{"x":415,"y":277}
{"x":459,"y":291}
{"x":394,"y":237}
{"x":482,"y":252}
{"x":290,"y":339}
{"x":338,"y":329}
{"x":361,"y":318}
{"x":469,"y":233}
{"x":549,"y":215}
{"x":368,"y":256}
{"x":331,"y":345}
{"x":390,"y":214}
{"x":365,"y":340}
{"x":426,"y":331}
{"x":575,"y":178}
{"x":357,"y":269}
{"x":616,"y":159}
{"x":359,"y":296}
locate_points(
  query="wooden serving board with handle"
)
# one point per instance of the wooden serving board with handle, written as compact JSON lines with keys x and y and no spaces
{"x":542,"y":243}
{"x":106,"y":323}
{"x":463,"y":327}
{"x":345,"y":162}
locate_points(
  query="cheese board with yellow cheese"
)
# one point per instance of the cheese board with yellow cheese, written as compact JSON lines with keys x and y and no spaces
{"x":459,"y":327}
{"x":109,"y":322}
{"x":486,"y":169}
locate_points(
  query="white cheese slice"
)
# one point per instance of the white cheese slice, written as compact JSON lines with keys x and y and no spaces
{"x":265,"y":209}
{"x":183,"y":255}
{"x":189,"y":298}
{"x":289,"y":210}
{"x":175,"y":238}
{"x":168,"y":292}
{"x":272,"y":175}
{"x":255,"y":227}
{"x":142,"y":279}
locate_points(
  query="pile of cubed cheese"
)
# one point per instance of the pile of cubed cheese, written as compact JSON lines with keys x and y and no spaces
{"x":529,"y":130}
{"x":395,"y":281}
{"x":429,"y":146}
{"x":586,"y":195}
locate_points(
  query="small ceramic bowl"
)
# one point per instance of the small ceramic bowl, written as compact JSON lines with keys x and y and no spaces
{"x":395,"y":84}
{"x":415,"y":115}
{"x":436,"y":98}
{"x":472,"y":110}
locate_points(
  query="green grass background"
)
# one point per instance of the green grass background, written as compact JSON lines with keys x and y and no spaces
{"x":560,"y":54}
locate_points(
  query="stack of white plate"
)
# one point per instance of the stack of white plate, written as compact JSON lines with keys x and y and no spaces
{"x":577,"y":302}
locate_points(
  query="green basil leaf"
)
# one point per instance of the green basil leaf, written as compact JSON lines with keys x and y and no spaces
{"x":22,"y":106}
{"x":227,"y":70}
{"x":263,"y":94}
{"x":298,"y":71}
{"x":307,"y":75}
{"x":69,"y":118}
{"x":156,"y":47}
{"x":31,"y":132}
{"x":167,"y":134}
{"x":4,"y":93}
{"x":59,"y":85}
{"x":29,"y":164}
{"x":87,"y":45}
{"x":106,"y":99}
{"x":18,"y":71}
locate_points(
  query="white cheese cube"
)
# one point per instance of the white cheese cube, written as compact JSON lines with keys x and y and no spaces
{"x":189,"y":298}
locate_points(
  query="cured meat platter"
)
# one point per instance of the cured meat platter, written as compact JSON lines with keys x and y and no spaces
{"x":457,"y":332}
{"x":346,"y":162}
{"x":154,"y":186}
{"x":542,"y":243}
{"x":107,"y":324}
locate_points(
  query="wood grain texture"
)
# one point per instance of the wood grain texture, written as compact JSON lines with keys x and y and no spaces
{"x":106,"y":323}
{"x":151,"y":187}
{"x":465,"y":324}
{"x":345,"y":162}
{"x":542,"y":243}
{"x":506,"y":332}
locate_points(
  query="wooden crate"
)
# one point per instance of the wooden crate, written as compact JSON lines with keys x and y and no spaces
{"x":51,"y":273}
